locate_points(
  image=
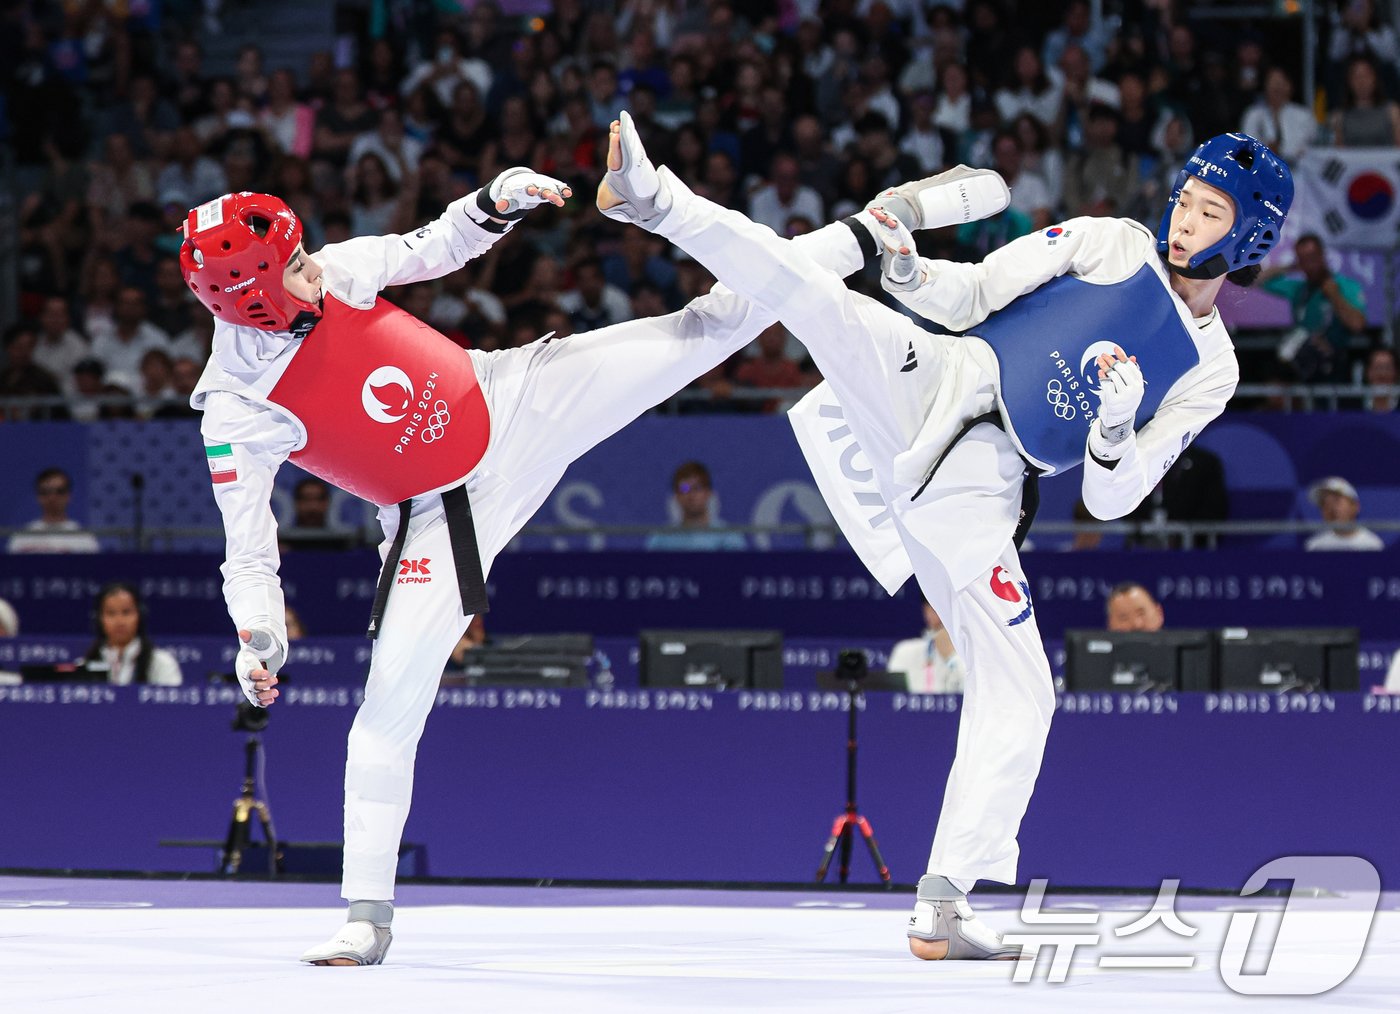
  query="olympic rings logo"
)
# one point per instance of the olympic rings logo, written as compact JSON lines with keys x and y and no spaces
{"x":436,"y":424}
{"x":1059,"y":401}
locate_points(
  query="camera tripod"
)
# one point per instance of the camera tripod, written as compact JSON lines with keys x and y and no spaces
{"x":240,"y":829}
{"x":850,"y":820}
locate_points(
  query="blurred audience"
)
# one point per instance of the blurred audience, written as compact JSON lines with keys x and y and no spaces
{"x":1381,"y":372}
{"x":695,"y":515}
{"x":1339,"y":505}
{"x":53,"y":531}
{"x":1328,"y":309}
{"x":311,"y":527}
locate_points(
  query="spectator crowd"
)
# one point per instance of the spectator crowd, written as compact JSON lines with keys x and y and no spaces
{"x":797,"y":112}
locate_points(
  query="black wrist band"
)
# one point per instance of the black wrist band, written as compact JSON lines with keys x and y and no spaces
{"x":868,"y":248}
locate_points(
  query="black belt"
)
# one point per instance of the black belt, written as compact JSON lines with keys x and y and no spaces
{"x":466,"y":558}
{"x":1030,"y":488}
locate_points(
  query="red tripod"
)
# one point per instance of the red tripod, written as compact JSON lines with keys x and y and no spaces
{"x":853,"y":666}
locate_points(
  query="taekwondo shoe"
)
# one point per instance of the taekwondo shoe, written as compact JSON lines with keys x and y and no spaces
{"x":357,"y":943}
{"x":943,"y":927}
{"x":642,"y":195}
{"x":962,"y":194}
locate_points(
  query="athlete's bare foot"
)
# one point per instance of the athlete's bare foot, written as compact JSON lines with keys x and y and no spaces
{"x":606,"y":198}
{"x":928,"y":950}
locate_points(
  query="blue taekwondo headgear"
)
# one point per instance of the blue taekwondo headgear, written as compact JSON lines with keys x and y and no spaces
{"x":1260,"y":184}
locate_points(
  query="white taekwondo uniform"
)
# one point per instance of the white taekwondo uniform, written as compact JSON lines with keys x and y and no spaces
{"x":895,"y":400}
{"x":342,"y":401}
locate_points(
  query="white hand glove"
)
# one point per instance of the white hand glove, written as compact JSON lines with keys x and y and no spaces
{"x":259,"y":657}
{"x":899,"y":257}
{"x":1120,"y":394}
{"x":514,"y":186}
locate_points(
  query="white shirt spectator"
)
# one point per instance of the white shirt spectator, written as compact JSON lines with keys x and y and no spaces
{"x":924,"y":147}
{"x":478,"y":72}
{"x":123,"y":358}
{"x":925,"y":668}
{"x":1030,"y":194}
{"x":1360,"y":538}
{"x":191,"y":343}
{"x":884,"y":103}
{"x":395,"y":161}
{"x":1045,"y":107}
{"x":767,"y":207}
{"x":121,"y":663}
{"x":66,"y":536}
{"x":1096,"y":89}
{"x":59,"y":357}
{"x":953,"y":114}
{"x":1289,"y":132}
{"x":451,"y":310}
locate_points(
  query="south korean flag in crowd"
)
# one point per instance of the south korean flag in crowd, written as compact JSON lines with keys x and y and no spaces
{"x":1349,"y":196}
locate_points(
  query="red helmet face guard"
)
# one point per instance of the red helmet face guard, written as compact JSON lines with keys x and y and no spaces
{"x":235,"y":251}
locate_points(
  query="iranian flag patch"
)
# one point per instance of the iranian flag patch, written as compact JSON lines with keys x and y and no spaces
{"x":220,"y":458}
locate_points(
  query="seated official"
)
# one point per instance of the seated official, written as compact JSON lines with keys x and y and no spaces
{"x":1130,"y":606}
{"x":929,"y":663}
{"x":122,"y":649}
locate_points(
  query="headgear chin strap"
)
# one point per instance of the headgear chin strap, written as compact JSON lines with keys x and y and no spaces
{"x":236,"y":248}
{"x":1259,"y":184}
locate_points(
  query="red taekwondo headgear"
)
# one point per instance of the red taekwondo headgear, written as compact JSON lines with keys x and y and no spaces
{"x":235,"y":250}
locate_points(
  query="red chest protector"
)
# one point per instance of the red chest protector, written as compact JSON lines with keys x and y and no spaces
{"x":392,"y":409}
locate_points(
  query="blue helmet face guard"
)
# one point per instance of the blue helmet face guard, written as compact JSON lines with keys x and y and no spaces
{"x":1259,"y":184}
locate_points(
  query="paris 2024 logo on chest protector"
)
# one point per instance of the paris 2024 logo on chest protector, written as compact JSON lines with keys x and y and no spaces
{"x":386,"y":394}
{"x":388,"y":397}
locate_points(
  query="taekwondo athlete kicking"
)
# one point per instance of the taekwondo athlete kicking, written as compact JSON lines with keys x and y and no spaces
{"x":1093,"y":343}
{"x":458,"y":449}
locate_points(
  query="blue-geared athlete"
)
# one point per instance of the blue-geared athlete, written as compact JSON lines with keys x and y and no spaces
{"x":1093,"y":342}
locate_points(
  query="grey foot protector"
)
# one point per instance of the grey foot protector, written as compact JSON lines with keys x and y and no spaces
{"x":646,"y":212}
{"x":904,"y":202}
{"x":374,"y":956}
{"x":948,"y":922}
{"x":378,"y":914}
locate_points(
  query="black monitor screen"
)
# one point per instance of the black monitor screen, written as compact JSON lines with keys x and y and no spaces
{"x":1301,"y":659}
{"x":719,"y":659}
{"x":66,"y":672}
{"x":559,"y":660}
{"x":1139,"y":661}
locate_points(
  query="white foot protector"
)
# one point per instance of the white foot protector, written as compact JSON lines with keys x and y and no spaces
{"x":962,"y":194}
{"x":361,"y":942}
{"x":942,"y":913}
{"x":645,"y":194}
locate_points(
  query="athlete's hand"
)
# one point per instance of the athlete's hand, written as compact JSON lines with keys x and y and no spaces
{"x":519,"y":189}
{"x":899,"y":258}
{"x":1121,"y":387}
{"x":259,"y":657}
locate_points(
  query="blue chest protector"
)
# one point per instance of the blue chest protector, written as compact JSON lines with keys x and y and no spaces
{"x":1047,"y":341}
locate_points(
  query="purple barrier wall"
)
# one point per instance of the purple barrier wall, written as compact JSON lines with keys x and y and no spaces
{"x":759,"y":474}
{"x":692,"y":785}
{"x":805,"y":594}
